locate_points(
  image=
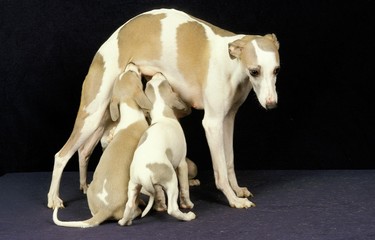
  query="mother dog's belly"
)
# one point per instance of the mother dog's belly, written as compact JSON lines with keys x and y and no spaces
{"x":189,"y":89}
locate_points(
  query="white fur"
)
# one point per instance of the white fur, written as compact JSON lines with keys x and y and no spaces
{"x":103,"y":194}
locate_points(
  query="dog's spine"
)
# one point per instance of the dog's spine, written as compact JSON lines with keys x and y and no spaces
{"x":149,"y":205}
{"x":97,"y":219}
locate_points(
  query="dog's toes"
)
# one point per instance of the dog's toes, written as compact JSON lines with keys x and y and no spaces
{"x":187,"y":204}
{"x":194,"y":182}
{"x":241,"y":203}
{"x":160,"y":206}
{"x":243,"y":192}
{"x":84,"y":187}
{"x":123,"y":222}
{"x":55,"y":203}
{"x":189,"y":216}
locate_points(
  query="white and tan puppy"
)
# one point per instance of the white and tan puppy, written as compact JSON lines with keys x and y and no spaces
{"x":161,"y":151}
{"x":210,"y":68}
{"x":107,"y":193}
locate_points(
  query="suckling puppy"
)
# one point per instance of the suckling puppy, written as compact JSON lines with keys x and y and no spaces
{"x":161,"y":150}
{"x":107,"y":193}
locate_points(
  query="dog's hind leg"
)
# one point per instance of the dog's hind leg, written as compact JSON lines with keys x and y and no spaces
{"x":171,"y":189}
{"x":131,"y":208}
{"x":95,"y":96}
{"x":85,"y":151}
{"x":183,"y":180}
{"x":82,"y":131}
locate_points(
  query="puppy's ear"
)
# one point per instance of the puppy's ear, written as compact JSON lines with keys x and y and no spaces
{"x":180,"y":108}
{"x":114,"y":109}
{"x":235,"y":48}
{"x":150,"y":92}
{"x":273,"y":38}
{"x":142,"y":100}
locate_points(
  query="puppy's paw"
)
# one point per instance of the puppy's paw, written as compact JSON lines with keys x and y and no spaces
{"x":189,"y":216}
{"x":84,"y":187}
{"x":123,"y":222}
{"x":186,"y":204}
{"x":194,"y":182}
{"x":160,"y":206}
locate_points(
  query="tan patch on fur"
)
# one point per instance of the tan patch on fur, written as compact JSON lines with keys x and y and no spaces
{"x":161,"y":172}
{"x":150,"y":93}
{"x":140,"y":37}
{"x":218,"y":31}
{"x":192,"y":45}
{"x":93,"y":80}
{"x":248,"y":55}
{"x":265,"y":44}
{"x":91,"y":85}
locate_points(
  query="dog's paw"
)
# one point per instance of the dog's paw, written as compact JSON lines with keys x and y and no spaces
{"x":194,"y":182}
{"x":242,"y":192}
{"x":160,"y":206}
{"x":123,"y":222}
{"x":55,"y":202}
{"x":84,"y":187}
{"x":186,"y":204}
{"x":241,"y":203}
{"x":189,"y":216}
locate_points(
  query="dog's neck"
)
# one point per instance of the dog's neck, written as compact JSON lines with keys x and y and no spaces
{"x":128,"y":116}
{"x":161,"y":111}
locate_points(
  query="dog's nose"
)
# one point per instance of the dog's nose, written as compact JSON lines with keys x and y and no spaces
{"x":271,"y":105}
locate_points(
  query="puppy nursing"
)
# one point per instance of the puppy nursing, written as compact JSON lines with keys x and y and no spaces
{"x":107,"y":193}
{"x":161,"y":151}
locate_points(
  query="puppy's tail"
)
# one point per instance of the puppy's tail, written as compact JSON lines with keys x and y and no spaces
{"x":149,"y":205}
{"x":97,"y":219}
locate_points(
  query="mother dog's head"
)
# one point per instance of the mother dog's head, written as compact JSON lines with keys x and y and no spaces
{"x":260,"y":58}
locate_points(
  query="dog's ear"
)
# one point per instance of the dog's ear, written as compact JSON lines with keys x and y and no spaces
{"x":273,"y":38}
{"x":114,"y":109}
{"x":235,"y":48}
{"x":142,"y":100}
{"x":180,"y":108}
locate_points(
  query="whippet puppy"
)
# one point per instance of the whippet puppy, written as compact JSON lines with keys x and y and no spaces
{"x":161,"y":151}
{"x":209,"y":67}
{"x":107,"y":193}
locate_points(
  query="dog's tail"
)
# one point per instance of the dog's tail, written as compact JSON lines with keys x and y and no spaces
{"x":149,"y":205}
{"x":97,"y":219}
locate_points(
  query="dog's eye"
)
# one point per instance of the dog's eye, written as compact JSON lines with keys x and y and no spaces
{"x":276,"y":71}
{"x":254,"y":72}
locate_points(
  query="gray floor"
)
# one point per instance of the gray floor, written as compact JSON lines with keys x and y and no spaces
{"x":319,"y":204}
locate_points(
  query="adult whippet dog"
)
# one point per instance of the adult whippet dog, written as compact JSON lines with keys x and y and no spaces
{"x":210,"y":68}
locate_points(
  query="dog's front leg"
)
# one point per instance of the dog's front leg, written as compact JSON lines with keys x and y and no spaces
{"x":229,"y":155}
{"x":214,"y":128}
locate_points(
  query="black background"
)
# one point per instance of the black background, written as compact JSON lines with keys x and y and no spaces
{"x":325,"y":114}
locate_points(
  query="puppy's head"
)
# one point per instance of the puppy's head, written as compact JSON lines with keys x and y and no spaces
{"x":158,"y":87}
{"x":128,"y":90}
{"x":259,"y":56}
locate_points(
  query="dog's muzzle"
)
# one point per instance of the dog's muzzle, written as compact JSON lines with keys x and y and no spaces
{"x":271,"y":105}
